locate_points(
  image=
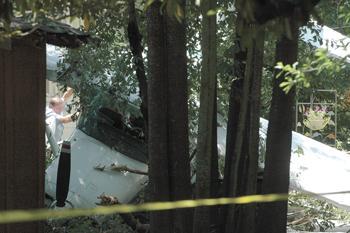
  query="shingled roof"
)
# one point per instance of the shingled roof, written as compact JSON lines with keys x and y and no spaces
{"x":55,"y":33}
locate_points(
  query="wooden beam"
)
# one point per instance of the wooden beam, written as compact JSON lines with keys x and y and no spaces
{"x":22,"y":132}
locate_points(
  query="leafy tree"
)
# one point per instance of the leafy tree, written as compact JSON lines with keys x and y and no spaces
{"x":103,"y":70}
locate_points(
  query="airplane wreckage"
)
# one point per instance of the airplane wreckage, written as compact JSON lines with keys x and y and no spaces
{"x":102,"y":158}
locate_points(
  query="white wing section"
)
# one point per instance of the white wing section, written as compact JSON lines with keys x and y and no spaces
{"x":337,"y":44}
{"x":315,"y":167}
{"x":54,"y":55}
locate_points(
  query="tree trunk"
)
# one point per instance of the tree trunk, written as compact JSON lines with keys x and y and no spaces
{"x":214,"y":170}
{"x":135,"y":38}
{"x":247,"y":217}
{"x":261,"y":12}
{"x":273,"y":216}
{"x":160,"y":222}
{"x":178,"y":152}
{"x":169,"y":166}
{"x":238,"y":167}
{"x":206,"y":126}
{"x":240,"y":57}
{"x":244,"y":159}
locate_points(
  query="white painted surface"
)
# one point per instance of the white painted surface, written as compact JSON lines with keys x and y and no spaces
{"x":54,"y":55}
{"x":336,"y":43}
{"x":319,"y":169}
{"x":86,"y":183}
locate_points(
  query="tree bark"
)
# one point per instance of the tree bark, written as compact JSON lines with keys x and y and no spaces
{"x":135,"y":39}
{"x":244,"y":158}
{"x":169,"y":166}
{"x":240,"y":57}
{"x":206,"y":125}
{"x":238,"y":167}
{"x":260,"y":12}
{"x":273,"y":216}
{"x":214,"y":170}
{"x":6,"y":12}
{"x":178,"y":152}
{"x":160,"y":221}
{"x":247,"y":217}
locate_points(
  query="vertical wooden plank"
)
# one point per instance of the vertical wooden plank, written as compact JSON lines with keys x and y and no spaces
{"x":5,"y":122}
{"x":23,"y":76}
{"x":9,"y":122}
{"x":3,"y":158}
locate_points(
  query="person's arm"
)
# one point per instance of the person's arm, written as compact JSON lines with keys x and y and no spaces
{"x":65,"y":119}
{"x":67,"y":94}
{"x":68,"y":118}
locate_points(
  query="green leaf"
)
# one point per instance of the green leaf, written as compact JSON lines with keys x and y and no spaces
{"x":148,"y":4}
{"x":212,"y":12}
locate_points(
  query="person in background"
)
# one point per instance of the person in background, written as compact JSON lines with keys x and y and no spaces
{"x":54,"y":117}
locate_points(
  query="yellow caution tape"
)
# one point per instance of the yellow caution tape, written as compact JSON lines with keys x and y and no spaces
{"x":13,"y":216}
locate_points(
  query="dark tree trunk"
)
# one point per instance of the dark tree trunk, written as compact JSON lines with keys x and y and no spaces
{"x":244,"y":166}
{"x":263,"y":11}
{"x":242,"y":149}
{"x":214,"y":170}
{"x":238,"y":167}
{"x":6,"y":12}
{"x":178,"y":149}
{"x":273,"y":216}
{"x":207,"y":126}
{"x":240,"y":57}
{"x":135,"y":40}
{"x":247,"y":216}
{"x":169,"y":166}
{"x":160,"y":222}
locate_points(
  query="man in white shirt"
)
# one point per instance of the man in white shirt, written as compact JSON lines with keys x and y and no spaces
{"x":54,"y":117}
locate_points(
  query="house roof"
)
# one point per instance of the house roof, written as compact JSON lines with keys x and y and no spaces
{"x":55,"y":33}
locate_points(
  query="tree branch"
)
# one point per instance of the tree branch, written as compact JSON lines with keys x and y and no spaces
{"x":136,"y":48}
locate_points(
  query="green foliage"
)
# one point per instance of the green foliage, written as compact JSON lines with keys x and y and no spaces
{"x":323,"y":72}
{"x":102,"y":73}
{"x":315,"y":213}
{"x":67,"y":8}
{"x":93,"y":224}
{"x":292,"y":76}
{"x":314,"y":65}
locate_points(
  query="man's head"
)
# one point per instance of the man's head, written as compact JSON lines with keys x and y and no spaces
{"x":57,"y":105}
